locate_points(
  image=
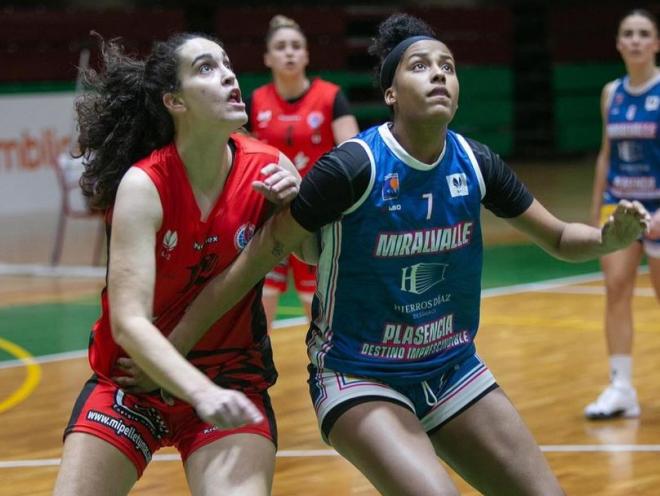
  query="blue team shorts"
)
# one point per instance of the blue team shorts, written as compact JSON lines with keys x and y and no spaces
{"x":434,"y":401}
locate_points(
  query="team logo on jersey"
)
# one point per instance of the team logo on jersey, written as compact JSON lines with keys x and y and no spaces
{"x":170,"y":241}
{"x":390,"y":189}
{"x":421,"y":277}
{"x":652,"y":103}
{"x":315,"y":119}
{"x":243,"y":235}
{"x":458,"y":185}
{"x":618,"y":99}
{"x":264,"y":117}
{"x":630,"y":113}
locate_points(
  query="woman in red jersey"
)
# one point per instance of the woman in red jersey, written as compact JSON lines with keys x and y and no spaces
{"x":304,"y":119}
{"x":183,"y":195}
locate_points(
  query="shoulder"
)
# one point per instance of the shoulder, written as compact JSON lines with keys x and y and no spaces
{"x":325,"y":87}
{"x":248,"y":145}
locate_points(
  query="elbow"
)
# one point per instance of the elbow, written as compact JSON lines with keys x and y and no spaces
{"x":121,"y":331}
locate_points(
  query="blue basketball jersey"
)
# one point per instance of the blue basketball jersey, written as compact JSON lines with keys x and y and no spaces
{"x":399,"y":276}
{"x":633,"y":119}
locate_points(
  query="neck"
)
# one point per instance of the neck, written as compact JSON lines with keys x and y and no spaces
{"x":290,"y":87}
{"x":641,"y":74}
{"x":205,"y":157}
{"x":424,"y":142}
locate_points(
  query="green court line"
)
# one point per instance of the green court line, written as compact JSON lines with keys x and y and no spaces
{"x":49,"y":328}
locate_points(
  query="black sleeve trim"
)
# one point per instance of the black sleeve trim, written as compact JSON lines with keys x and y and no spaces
{"x":335,"y":183}
{"x":506,"y":195}
{"x":341,"y":107}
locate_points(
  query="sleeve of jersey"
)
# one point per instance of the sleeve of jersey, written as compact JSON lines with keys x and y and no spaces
{"x":506,"y":195}
{"x":341,"y":107}
{"x":335,"y":183}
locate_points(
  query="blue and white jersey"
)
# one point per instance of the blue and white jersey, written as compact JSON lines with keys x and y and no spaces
{"x":633,"y":122}
{"x":399,"y":277}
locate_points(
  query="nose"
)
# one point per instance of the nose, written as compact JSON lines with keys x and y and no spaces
{"x":228,"y":77}
{"x":438,"y":75}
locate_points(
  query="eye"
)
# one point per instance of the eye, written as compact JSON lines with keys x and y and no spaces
{"x":418,"y":66}
{"x":205,"y":68}
{"x":449,"y":68}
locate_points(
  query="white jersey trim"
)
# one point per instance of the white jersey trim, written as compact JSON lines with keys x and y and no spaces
{"x":403,"y":155}
{"x":475,"y":164}
{"x":640,"y":90}
{"x":610,"y":95}
{"x":372,"y":179}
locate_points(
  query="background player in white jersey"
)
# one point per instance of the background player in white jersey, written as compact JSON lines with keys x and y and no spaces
{"x":628,"y":166}
{"x":394,"y":376}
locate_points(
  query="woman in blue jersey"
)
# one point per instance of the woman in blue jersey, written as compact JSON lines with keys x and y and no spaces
{"x":394,"y":376}
{"x":628,"y":166}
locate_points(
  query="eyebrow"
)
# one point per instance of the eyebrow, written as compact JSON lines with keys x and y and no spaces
{"x":426,"y":53}
{"x":202,"y":56}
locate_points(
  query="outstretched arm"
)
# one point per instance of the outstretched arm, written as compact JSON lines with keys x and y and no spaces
{"x":576,"y":242}
{"x":277,"y":238}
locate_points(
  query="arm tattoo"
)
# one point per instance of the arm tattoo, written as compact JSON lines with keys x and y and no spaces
{"x":278,"y":249}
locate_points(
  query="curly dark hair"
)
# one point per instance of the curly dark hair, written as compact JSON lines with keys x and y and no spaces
{"x":121,"y":116}
{"x":393,"y":31}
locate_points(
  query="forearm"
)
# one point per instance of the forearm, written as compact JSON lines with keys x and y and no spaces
{"x":579,"y":242}
{"x":271,"y":243}
{"x":156,"y":356}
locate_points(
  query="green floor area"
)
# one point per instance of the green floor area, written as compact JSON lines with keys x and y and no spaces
{"x":55,"y":328}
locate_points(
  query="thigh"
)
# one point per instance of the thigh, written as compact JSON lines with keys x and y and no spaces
{"x":654,"y":267}
{"x":134,"y":424}
{"x":236,"y":464}
{"x":620,"y":267}
{"x":490,"y":446}
{"x":91,"y":466}
{"x":228,"y":461}
{"x":387,"y":443}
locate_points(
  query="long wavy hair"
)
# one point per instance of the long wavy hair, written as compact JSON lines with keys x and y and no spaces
{"x":121,"y":115}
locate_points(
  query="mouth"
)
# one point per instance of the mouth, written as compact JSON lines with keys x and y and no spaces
{"x":235,"y":96}
{"x":438,"y":91}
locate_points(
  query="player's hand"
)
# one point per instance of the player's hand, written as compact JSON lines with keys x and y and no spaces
{"x":280,"y":186}
{"x":654,"y":226}
{"x":135,"y":381}
{"x":225,"y":408}
{"x":628,"y":222}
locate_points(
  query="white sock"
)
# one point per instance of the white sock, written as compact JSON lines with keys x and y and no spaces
{"x":621,"y":370}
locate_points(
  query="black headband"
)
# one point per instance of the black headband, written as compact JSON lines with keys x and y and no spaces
{"x":391,"y":62}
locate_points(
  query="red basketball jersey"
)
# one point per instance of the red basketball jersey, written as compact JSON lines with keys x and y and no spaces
{"x":189,"y":252}
{"x":302,"y":130}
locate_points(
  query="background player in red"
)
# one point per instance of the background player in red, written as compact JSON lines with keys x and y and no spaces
{"x":304,"y":119}
{"x":179,"y":215}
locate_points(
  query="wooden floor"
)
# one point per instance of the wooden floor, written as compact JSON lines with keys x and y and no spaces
{"x":545,"y":347}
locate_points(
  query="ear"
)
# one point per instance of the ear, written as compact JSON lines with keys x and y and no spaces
{"x":390,"y":96}
{"x":173,"y":102}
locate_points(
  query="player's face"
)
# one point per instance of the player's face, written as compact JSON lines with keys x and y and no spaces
{"x":425,"y":83}
{"x":209,"y":91}
{"x":287,"y":52}
{"x":637,"y":40}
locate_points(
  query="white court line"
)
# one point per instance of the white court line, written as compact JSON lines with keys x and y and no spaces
{"x":51,"y":270}
{"x":551,"y":448}
{"x":593,"y":290}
